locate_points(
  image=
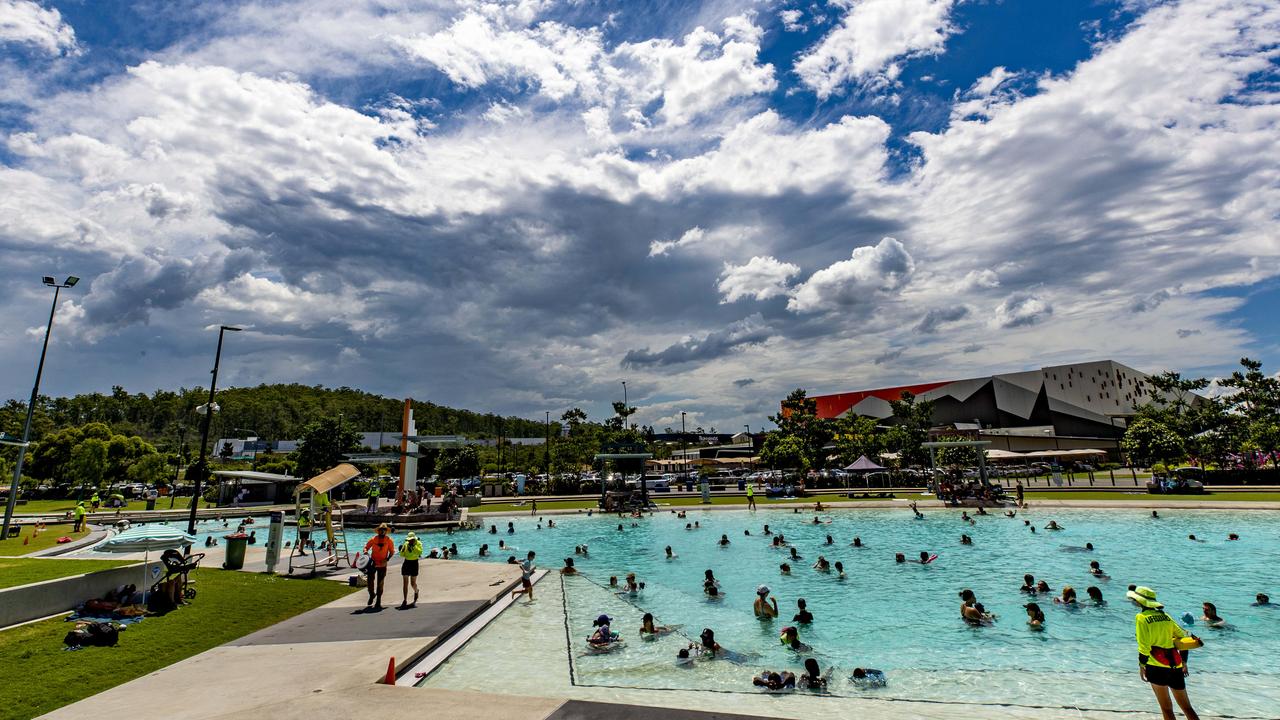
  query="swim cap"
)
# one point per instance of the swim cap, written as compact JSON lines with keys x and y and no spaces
{"x":604,"y":620}
{"x":762,"y":590}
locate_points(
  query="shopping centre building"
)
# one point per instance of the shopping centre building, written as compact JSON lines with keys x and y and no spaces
{"x":1081,"y":405}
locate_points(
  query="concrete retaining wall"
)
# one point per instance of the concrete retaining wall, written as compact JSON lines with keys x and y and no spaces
{"x":28,"y":602}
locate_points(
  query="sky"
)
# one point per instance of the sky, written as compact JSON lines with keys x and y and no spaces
{"x":515,"y":206}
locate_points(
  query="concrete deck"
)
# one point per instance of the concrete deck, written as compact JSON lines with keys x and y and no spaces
{"x":330,"y":655}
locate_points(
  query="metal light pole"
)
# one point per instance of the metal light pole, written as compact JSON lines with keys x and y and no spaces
{"x":684,"y":447}
{"x":624,"y":405}
{"x":177,"y":463}
{"x":202,"y":466}
{"x":31,"y":406}
{"x":548,"y":448}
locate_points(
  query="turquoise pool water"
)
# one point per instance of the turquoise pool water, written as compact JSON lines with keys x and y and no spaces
{"x":903,"y":619}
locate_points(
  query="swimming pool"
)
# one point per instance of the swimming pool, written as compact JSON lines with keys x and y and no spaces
{"x":903,"y":619}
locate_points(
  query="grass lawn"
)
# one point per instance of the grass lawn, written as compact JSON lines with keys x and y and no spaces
{"x":1141,"y":495}
{"x":34,"y":507}
{"x":47,"y":539}
{"x":20,"y":571}
{"x":37,"y":676}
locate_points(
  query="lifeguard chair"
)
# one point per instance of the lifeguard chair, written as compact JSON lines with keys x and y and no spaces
{"x":312,"y":497}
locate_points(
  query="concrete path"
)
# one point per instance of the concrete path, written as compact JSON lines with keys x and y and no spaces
{"x":337,"y":651}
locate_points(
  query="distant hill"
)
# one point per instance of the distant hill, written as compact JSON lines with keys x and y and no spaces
{"x":271,"y":412}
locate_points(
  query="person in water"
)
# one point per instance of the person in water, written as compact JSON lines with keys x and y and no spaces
{"x":1155,"y":515}
{"x":1053,"y":525}
{"x":839,"y":570}
{"x":830,"y":540}
{"x":1043,"y":587}
{"x":966,"y":540}
{"x":1096,"y":570}
{"x":1028,"y":584}
{"x":795,"y":555}
{"x":1160,"y":663}
{"x":812,"y":677}
{"x":1233,"y":536}
{"x":511,"y":528}
{"x":603,"y":635}
{"x":868,"y":677}
{"x":1095,"y":595}
{"x":790,"y":637}
{"x":823,"y":565}
{"x":724,"y":540}
{"x":632,"y":586}
{"x":647,"y":626}
{"x":767,"y":531}
{"x":1262,"y":600}
{"x":1193,"y":538}
{"x":766,"y":608}
{"x":1211,"y":616}
{"x":1035,"y":616}
{"x":925,"y":558}
{"x":708,"y":644}
{"x":670,"y":555}
{"x":774,"y":680}
{"x":712,"y":592}
{"x":568,"y":568}
{"x":710,"y":577}
{"x":967,"y":601}
{"x":785,"y":569}
{"x":1068,"y":596}
{"x":899,"y":558}
{"x":857,"y":542}
{"x":804,"y":617}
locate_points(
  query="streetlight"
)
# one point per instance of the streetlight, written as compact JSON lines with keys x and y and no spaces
{"x":31,"y":406}
{"x":684,"y":449}
{"x":209,"y":409}
{"x":624,"y":404}
{"x":548,"y":448}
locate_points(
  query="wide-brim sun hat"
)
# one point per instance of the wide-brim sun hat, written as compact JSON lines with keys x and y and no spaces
{"x":384,"y":526}
{"x":1144,"y":596}
{"x":410,"y":536}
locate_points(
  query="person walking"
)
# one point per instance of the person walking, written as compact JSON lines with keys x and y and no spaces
{"x":410,"y":552}
{"x":375,"y":491}
{"x":304,"y":530}
{"x":380,"y":548}
{"x":1161,"y":647}
{"x":751,"y":496}
{"x":526,"y":577}
{"x":95,"y":502}
{"x":79,"y":513}
{"x":1019,"y":492}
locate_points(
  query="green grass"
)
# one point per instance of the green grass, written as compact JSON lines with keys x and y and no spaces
{"x":46,"y":539}
{"x":230,"y":604}
{"x":33,"y":507}
{"x":1141,"y":494}
{"x":21,"y":571}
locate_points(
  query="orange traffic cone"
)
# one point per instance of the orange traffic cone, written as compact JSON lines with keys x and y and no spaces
{"x":390,"y":679}
{"x":26,"y":540}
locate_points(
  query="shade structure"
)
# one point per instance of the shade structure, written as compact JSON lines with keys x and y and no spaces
{"x":993,"y":454}
{"x":145,"y":538}
{"x":330,"y":479}
{"x":863,"y":464}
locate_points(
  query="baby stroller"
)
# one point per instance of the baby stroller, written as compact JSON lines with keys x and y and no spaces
{"x":177,"y":565}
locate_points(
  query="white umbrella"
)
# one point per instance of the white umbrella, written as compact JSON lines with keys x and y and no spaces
{"x":146,"y":538}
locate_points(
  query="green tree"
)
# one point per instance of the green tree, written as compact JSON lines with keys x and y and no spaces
{"x":799,"y":419}
{"x":88,"y":464}
{"x":857,"y":435}
{"x":782,"y":451}
{"x":324,"y":444}
{"x":151,"y":469}
{"x":1256,"y":400}
{"x":1147,"y":442}
{"x":910,"y":430}
{"x":456,"y":463}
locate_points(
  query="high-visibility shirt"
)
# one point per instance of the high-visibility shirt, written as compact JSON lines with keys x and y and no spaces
{"x":1155,"y":632}
{"x":304,"y":521}
{"x":751,"y":491}
{"x":411,"y":551}
{"x":322,"y":501}
{"x":79,"y":511}
{"x":380,"y":548}
{"x":374,"y":490}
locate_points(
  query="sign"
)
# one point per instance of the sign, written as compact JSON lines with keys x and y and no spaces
{"x":623,"y":449}
{"x":274,"y":535}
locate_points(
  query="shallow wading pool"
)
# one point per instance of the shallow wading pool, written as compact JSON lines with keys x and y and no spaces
{"x":900,"y":618}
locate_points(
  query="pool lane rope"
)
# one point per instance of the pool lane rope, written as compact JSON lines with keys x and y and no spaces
{"x":575,"y":682}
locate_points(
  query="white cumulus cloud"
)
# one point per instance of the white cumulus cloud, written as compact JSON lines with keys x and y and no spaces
{"x":761,"y":278}
{"x":870,"y":271}
{"x":27,"y":23}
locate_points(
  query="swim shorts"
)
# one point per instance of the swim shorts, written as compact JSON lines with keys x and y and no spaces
{"x":1171,"y":678}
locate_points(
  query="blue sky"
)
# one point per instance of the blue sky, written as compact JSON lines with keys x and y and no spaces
{"x":512,"y":206}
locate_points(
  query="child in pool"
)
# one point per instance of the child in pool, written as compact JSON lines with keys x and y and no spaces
{"x":868,"y":678}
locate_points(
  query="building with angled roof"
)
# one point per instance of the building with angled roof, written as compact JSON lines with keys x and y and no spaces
{"x":1085,"y":404}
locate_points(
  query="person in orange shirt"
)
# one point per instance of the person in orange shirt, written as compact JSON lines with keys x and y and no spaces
{"x":380,"y":548}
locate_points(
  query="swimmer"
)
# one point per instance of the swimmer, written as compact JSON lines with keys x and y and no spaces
{"x":1068,"y":596}
{"x":868,"y":678}
{"x":670,"y":555}
{"x":632,"y":586}
{"x":683,"y":658}
{"x":568,"y":568}
{"x":1053,"y":525}
{"x":712,"y":592}
{"x":1095,"y":595}
{"x":708,"y":644}
{"x":1155,"y":515}
{"x":1033,"y":529}
{"x":982,"y":616}
{"x":1262,"y":600}
{"x":795,"y":555}
{"x":839,"y":570}
{"x":688,"y":526}
{"x":803,"y":616}
{"x":1233,"y":536}
{"x":966,"y":540}
{"x":710,"y":577}
{"x":1211,"y":616}
{"x":746,"y":533}
{"x":647,"y":627}
{"x":697,"y":524}
{"x":857,"y":542}
{"x":1043,"y":587}
{"x":613,"y":581}
{"x":1010,"y":513}
{"x":484,"y":550}
{"x":967,"y":601}
{"x":767,"y":531}
{"x":813,"y":679}
{"x":603,"y":635}
{"x":830,"y":541}
{"x":511,"y":528}
{"x":926,"y":558}
{"x":785,"y":569}
{"x":822,"y":565}
{"x":964,"y":515}
{"x":1035,"y":616}
{"x":619,"y":527}
{"x":1193,"y":538}
{"x":766,"y":608}
{"x":551,"y":523}
{"x":1088,"y":547}
{"x":899,"y":558}
{"x":790,"y":637}
{"x":724,"y":540}
{"x":502,"y":545}
{"x":1096,"y":570}
{"x":775,"y":681}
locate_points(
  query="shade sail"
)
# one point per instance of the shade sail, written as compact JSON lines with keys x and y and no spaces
{"x":863,"y":464}
{"x":1003,"y":455}
{"x":145,"y":538}
{"x":331,"y":478}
